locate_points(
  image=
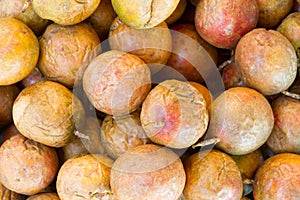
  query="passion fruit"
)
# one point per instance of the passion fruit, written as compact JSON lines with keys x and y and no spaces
{"x":177,"y":13}
{"x":44,"y":196}
{"x":6,"y":194}
{"x":11,"y":8}
{"x":8,"y":94}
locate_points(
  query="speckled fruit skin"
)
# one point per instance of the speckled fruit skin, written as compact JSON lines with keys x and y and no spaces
{"x":148,"y":172}
{"x":6,"y":194}
{"x":174,"y":114}
{"x":47,"y":112}
{"x":44,"y":196}
{"x":223,"y":22}
{"x":278,"y":178}
{"x":213,"y":176}
{"x":266,"y":61}
{"x":19,"y":51}
{"x":84,"y":177}
{"x":116,"y":82}
{"x":243,"y":120}
{"x":26,"y":166}
{"x":65,"y":12}
{"x":290,"y":28}
{"x":271,"y":12}
{"x":8,"y":94}
{"x":66,"y":50}
{"x":286,"y":131}
{"x":144,"y":13}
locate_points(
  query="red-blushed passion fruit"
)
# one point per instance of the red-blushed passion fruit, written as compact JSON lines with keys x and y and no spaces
{"x":278,"y":178}
{"x":212,"y":175}
{"x":242,"y":119}
{"x":271,"y":12}
{"x":119,"y":134}
{"x":177,"y":13}
{"x":174,"y":114}
{"x":147,"y":172}
{"x":44,"y":196}
{"x":266,"y":61}
{"x":144,"y":13}
{"x":152,"y":45}
{"x":84,"y":177}
{"x":290,"y":28}
{"x":182,"y":49}
{"x":65,"y":12}
{"x":223,"y":22}
{"x":6,"y":194}
{"x":26,"y":166}
{"x":285,"y":136}
{"x":11,"y":8}
{"x":231,"y":76}
{"x":47,"y":113}
{"x":19,"y":51}
{"x":8,"y":94}
{"x":117,"y":82}
{"x":64,"y":50}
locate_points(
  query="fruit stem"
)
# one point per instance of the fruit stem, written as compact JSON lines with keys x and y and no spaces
{"x":81,"y":135}
{"x":26,"y":5}
{"x":227,"y":62}
{"x":292,"y":95}
{"x":207,"y":142}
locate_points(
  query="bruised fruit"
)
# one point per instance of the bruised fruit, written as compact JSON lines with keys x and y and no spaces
{"x":271,"y":12}
{"x":26,"y":166}
{"x":119,"y":134}
{"x":8,"y":94}
{"x":266,"y":61}
{"x":177,"y":13}
{"x":44,"y":196}
{"x":19,"y":51}
{"x":223,"y":22}
{"x":174,"y":114}
{"x":242,"y":119}
{"x":152,"y":45}
{"x":182,"y":35}
{"x":47,"y":112}
{"x":212,"y":175}
{"x":290,"y":28}
{"x":84,"y":177}
{"x":116,"y":82}
{"x":65,"y":12}
{"x":6,"y":194}
{"x":144,"y":13}
{"x":147,"y":172}
{"x":285,"y":136}
{"x":278,"y":178}
{"x":65,"y":50}
{"x":11,"y":8}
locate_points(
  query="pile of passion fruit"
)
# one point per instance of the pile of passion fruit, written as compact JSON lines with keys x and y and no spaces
{"x":149,"y":100}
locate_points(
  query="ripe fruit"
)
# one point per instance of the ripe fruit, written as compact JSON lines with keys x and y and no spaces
{"x":204,"y":91}
{"x":19,"y":51}
{"x":266,"y":61}
{"x":147,"y":172}
{"x":44,"y":196}
{"x":6,"y":194}
{"x":223,"y":22}
{"x":174,"y":114}
{"x":11,"y":8}
{"x":177,"y":13}
{"x":8,"y":94}
{"x":242,"y":119}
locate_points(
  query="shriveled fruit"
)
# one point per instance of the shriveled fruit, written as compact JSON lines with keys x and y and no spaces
{"x":6,"y":194}
{"x":116,"y":82}
{"x":8,"y":94}
{"x":26,"y":166}
{"x":177,"y":13}
{"x":19,"y":51}
{"x":223,"y":22}
{"x":212,"y":175}
{"x":271,"y":12}
{"x":47,"y":112}
{"x":290,"y":28}
{"x":152,"y":45}
{"x":266,"y":61}
{"x":84,"y":177}
{"x":278,"y":178}
{"x":65,"y":12}
{"x":243,"y":120}
{"x":119,"y":134}
{"x":11,"y":8}
{"x":44,"y":196}
{"x":144,"y":13}
{"x":147,"y":172}
{"x":286,"y":132}
{"x":65,"y":50}
{"x":174,"y":114}
{"x":183,"y":50}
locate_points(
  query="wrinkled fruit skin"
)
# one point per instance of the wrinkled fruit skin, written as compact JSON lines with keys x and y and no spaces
{"x":44,"y":196}
{"x":223,"y":22}
{"x":6,"y":194}
{"x":212,"y":175}
{"x":19,"y":51}
{"x":151,"y":168}
{"x":11,"y":8}
{"x":243,"y":120}
{"x":266,"y":61}
{"x":278,"y":178}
